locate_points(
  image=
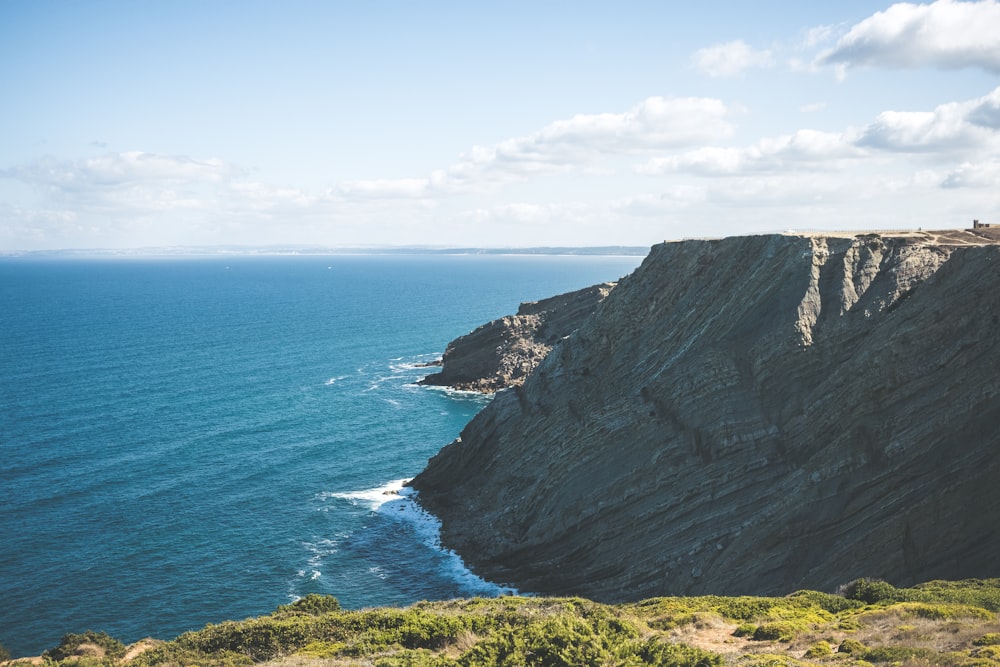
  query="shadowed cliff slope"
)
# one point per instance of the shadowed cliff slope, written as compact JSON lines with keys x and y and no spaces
{"x":747,"y":415}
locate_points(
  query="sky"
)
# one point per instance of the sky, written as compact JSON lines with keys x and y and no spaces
{"x":142,"y":124}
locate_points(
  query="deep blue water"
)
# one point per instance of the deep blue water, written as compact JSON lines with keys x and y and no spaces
{"x":184,"y":441}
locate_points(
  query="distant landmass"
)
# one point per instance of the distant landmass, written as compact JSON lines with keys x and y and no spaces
{"x":289,"y":250}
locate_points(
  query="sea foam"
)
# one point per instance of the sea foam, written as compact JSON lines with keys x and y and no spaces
{"x":373,"y":498}
{"x":398,"y":502}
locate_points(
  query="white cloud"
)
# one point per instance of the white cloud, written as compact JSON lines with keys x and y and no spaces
{"x":120,"y":170}
{"x":656,"y":123}
{"x":124,"y":198}
{"x":966,"y":128}
{"x":985,"y":112}
{"x":525,"y":213}
{"x":805,"y":148}
{"x":812,"y":108}
{"x":670,"y":200}
{"x":730,"y":59}
{"x":983,"y":175}
{"x":950,"y":128}
{"x":537,"y":222}
{"x":819,"y":35}
{"x":385,"y":188}
{"x":944,"y":34}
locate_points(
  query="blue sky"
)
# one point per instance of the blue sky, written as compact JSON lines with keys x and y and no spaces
{"x":149,"y":124}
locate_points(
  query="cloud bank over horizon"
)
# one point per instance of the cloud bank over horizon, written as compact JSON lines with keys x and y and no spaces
{"x":810,"y":128}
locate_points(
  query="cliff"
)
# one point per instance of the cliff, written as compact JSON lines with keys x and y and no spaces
{"x":502,"y":353}
{"x":747,"y":415}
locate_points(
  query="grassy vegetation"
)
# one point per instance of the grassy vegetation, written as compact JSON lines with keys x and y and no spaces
{"x":868,"y":624}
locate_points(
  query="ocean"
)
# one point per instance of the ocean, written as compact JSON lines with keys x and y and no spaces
{"x":189,"y":440}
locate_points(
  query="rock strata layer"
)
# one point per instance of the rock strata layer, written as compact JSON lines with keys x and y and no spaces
{"x":503,"y":352}
{"x":747,"y":415}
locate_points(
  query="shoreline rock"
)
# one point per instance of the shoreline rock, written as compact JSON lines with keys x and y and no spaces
{"x":502,"y":353}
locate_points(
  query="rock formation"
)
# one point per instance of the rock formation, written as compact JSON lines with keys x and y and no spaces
{"x":748,"y":415}
{"x":503,"y":352}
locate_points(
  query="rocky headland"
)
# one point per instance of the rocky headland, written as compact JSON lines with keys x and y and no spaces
{"x":748,"y":415}
{"x":501,"y":353}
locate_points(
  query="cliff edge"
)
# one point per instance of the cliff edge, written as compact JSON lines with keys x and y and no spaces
{"x":747,"y":415}
{"x":501,"y":353}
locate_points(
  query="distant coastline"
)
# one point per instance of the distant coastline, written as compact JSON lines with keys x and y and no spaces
{"x":316,"y":251}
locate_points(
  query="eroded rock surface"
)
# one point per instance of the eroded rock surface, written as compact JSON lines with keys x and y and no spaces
{"x":747,"y":415}
{"x":503,"y":352}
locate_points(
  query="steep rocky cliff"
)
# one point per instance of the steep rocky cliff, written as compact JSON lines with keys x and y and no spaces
{"x":502,"y":353}
{"x":748,"y":415}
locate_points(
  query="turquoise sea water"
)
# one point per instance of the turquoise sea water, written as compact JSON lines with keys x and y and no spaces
{"x":184,"y":441}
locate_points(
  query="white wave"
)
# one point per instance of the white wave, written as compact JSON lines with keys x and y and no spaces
{"x":378,"y":381}
{"x":334,"y":380}
{"x":418,"y":363}
{"x":404,"y":507}
{"x":459,"y":393}
{"x":374,"y":498}
{"x":398,"y":502}
{"x":318,"y":552}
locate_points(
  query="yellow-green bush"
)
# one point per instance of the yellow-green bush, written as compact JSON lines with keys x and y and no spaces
{"x":769,"y":660}
{"x":852,"y":647}
{"x":820,"y":649}
{"x":897,"y":654}
{"x":86,"y":648}
{"x":774,"y":632}
{"x":570,"y":631}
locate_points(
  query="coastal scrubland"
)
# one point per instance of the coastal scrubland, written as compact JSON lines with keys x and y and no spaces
{"x":865,"y":623}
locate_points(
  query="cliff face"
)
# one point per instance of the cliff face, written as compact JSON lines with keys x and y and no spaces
{"x":747,"y":415}
{"x":502,"y":353}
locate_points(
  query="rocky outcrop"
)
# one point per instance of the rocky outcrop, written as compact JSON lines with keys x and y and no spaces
{"x":747,"y":415}
{"x":503,"y":352}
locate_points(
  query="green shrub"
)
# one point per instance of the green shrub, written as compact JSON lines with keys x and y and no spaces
{"x":769,"y":660}
{"x":379,"y":629}
{"x":773,"y":632}
{"x":746,"y":608}
{"x":4,"y":653}
{"x":988,"y":653}
{"x":671,"y":622}
{"x":871,"y":591}
{"x":745,"y":630}
{"x":655,"y":652}
{"x":942,"y":611}
{"x":414,"y":658}
{"x":581,"y":635}
{"x":321,"y":649}
{"x":257,"y":638}
{"x":984,"y":593}
{"x":819,"y":650}
{"x":852,"y":647}
{"x":989,"y":639}
{"x":172,"y":654}
{"x":311,"y":605}
{"x":833,"y":604}
{"x":897,"y":654}
{"x":431,"y":631}
{"x":82,"y":646}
